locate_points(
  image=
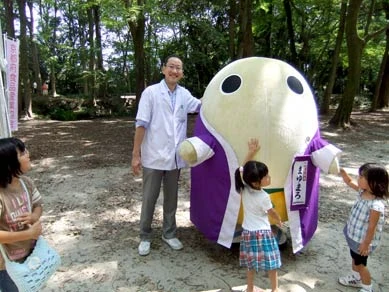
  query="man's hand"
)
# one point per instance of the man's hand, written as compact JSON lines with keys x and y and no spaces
{"x":136,"y":165}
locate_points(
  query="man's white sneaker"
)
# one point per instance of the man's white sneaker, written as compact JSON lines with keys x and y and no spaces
{"x":350,"y":281}
{"x":174,"y":243}
{"x":144,"y":248}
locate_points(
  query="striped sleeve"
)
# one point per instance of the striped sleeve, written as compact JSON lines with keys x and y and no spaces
{"x":36,"y":197}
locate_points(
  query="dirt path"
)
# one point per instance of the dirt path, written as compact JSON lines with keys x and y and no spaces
{"x":92,"y":214}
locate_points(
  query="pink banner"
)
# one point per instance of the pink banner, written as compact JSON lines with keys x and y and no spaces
{"x":12,"y":57}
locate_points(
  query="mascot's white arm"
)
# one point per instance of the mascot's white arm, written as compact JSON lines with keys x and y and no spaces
{"x":327,"y":159}
{"x":195,"y":151}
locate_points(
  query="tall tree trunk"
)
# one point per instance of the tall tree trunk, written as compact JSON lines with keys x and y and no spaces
{"x":92,"y":65}
{"x":245,"y":37}
{"x":24,"y":85}
{"x":382,"y":99}
{"x":9,"y":18}
{"x":289,"y":23}
{"x":354,"y":50}
{"x":53,"y":48}
{"x":99,"y":52}
{"x":83,"y":52}
{"x":53,"y":80}
{"x":149,"y":68}
{"x":125,"y":67}
{"x":98,"y":45}
{"x":137,"y":29}
{"x":325,"y":105}
{"x":231,"y":29}
{"x":381,"y":93}
{"x":34,"y":50}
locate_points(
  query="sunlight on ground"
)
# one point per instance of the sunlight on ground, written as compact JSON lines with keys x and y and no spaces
{"x":65,"y":225}
{"x":63,"y":133}
{"x":97,"y":271}
{"x":330,"y":134}
{"x":89,"y":143}
{"x":122,"y":214}
{"x":45,"y":163}
{"x":308,"y":281}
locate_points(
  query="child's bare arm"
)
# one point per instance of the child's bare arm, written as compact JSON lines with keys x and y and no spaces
{"x":31,"y":233}
{"x":373,"y":221}
{"x":274,"y":214}
{"x":253,"y":145}
{"x":347,"y":179}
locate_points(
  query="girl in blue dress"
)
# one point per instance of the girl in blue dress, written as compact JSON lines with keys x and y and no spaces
{"x":364,"y":226}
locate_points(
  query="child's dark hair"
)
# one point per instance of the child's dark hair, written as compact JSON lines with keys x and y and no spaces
{"x":377,"y":177}
{"x":9,"y":162}
{"x":253,"y":171}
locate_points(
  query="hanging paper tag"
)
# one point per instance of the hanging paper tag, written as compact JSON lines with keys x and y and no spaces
{"x":299,"y":182}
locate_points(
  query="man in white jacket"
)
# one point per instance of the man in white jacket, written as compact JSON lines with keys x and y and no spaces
{"x":161,"y":125}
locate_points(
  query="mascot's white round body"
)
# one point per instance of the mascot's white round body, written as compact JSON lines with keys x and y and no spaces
{"x":270,"y":100}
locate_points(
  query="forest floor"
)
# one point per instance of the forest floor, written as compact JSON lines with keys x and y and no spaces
{"x":92,"y":205}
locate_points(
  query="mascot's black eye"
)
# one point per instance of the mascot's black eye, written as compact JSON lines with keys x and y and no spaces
{"x":295,"y":85}
{"x":231,"y":84}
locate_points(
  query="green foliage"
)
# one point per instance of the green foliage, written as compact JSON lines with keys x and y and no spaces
{"x":198,"y":31}
{"x":62,"y":115}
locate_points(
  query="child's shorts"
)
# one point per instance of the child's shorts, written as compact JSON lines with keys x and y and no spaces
{"x":259,"y":250}
{"x":354,"y":246}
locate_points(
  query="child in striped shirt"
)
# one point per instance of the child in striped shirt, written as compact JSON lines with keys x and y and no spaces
{"x":19,"y":226}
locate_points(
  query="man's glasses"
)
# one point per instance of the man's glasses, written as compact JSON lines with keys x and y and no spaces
{"x":172,"y":67}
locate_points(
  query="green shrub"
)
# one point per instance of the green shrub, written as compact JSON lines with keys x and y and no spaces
{"x":62,"y":115}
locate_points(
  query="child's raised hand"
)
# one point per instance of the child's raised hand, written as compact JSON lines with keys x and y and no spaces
{"x":253,"y":145}
{"x":344,"y":175}
{"x":348,"y":180}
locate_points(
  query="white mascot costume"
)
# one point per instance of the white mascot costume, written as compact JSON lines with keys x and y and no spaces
{"x":270,"y":100}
